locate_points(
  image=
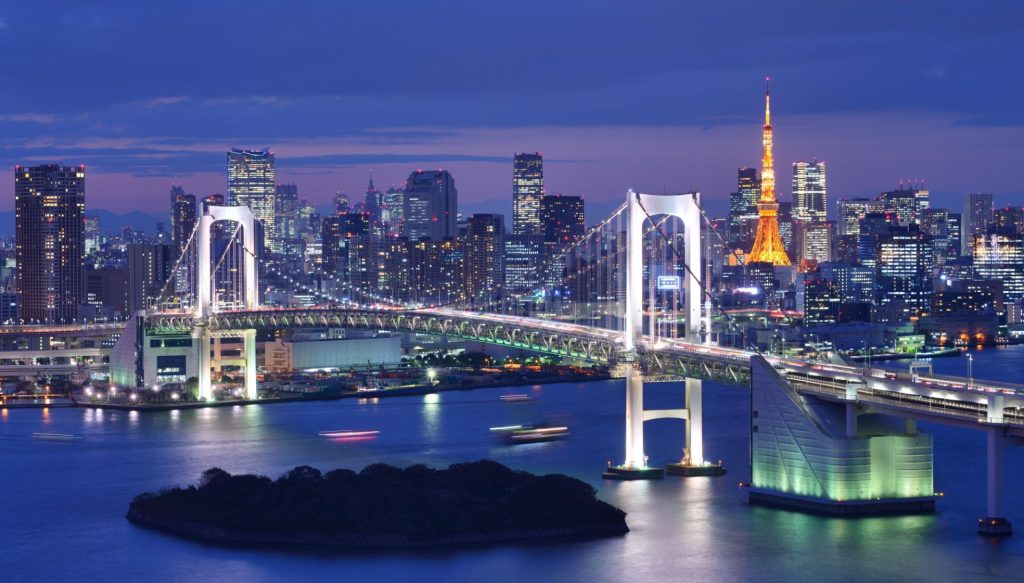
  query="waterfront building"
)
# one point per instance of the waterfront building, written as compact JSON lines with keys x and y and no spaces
{"x":527,"y":191}
{"x":904,"y":271}
{"x":809,"y":191}
{"x":49,"y":204}
{"x":999,"y":256}
{"x":437,"y":271}
{"x":429,"y":206}
{"x":252,"y":183}
{"x":977,"y":217}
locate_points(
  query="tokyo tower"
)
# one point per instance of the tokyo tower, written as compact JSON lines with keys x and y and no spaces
{"x":768,"y":247}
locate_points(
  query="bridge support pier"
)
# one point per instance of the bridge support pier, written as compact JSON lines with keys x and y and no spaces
{"x":995,"y":523}
{"x":693,"y":463}
{"x":635,"y":466}
{"x":250,"y":365}
{"x":205,"y":363}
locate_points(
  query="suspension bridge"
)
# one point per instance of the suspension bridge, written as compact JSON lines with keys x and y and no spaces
{"x":631,"y":294}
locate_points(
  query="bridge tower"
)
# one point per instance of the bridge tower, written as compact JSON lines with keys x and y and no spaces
{"x":206,"y":306}
{"x":641,"y":207}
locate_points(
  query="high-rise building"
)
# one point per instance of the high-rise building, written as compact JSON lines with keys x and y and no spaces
{"x":176,"y":191}
{"x":149,"y":267}
{"x":822,"y":301}
{"x":813,"y":242}
{"x":954,"y":229}
{"x":904,"y":271}
{"x":904,"y":203}
{"x":856,"y":283}
{"x":935,"y":224}
{"x":429,"y":206}
{"x":978,"y":215}
{"x":527,"y":190}
{"x":851,"y":211}
{"x":372,"y":205}
{"x":768,"y":246}
{"x":393,"y":211}
{"x":93,"y":235}
{"x":999,"y":256}
{"x":1009,"y":219}
{"x":743,"y":208}
{"x":809,"y":198}
{"x":485,"y":251}
{"x":183,"y":221}
{"x":561,"y":218}
{"x":437,"y":271}
{"x":49,"y":204}
{"x":524,"y":255}
{"x":252,"y":183}
{"x":286,"y":201}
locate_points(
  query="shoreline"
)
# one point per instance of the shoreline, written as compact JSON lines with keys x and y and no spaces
{"x":353,"y":542}
{"x":382,"y":393}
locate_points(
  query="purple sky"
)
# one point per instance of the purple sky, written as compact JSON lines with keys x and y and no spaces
{"x":659,"y":96}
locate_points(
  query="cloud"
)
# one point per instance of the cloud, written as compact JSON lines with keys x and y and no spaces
{"x":44,"y":118}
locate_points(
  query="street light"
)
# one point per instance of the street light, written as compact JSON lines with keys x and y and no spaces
{"x":970,"y":370}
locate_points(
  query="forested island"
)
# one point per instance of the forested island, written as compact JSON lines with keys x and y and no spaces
{"x":381,"y":506}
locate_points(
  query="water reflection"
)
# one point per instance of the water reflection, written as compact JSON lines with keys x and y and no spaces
{"x":432,"y":416}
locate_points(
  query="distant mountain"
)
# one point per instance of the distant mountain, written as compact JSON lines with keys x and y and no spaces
{"x":110,"y":222}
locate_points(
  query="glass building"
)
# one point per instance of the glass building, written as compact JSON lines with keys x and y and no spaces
{"x":252,"y":183}
{"x":978,"y":216}
{"x":429,"y":206}
{"x":809,"y":191}
{"x":527,"y":190}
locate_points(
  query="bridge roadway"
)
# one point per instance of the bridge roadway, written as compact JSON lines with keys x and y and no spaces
{"x":955,"y":400}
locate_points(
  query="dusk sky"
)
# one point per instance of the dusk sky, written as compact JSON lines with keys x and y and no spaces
{"x":660,"y":96}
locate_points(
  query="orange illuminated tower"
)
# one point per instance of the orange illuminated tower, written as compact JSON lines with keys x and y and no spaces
{"x":768,"y":247}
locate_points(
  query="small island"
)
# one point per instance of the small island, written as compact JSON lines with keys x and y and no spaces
{"x":380,"y":507}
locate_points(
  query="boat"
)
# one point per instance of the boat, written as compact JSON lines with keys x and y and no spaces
{"x":349,"y":433}
{"x":531,"y":433}
{"x":515,"y":398}
{"x":56,"y":436}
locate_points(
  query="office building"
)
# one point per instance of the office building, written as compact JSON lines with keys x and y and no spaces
{"x":252,"y":183}
{"x":851,"y":211}
{"x":527,"y":190}
{"x":743,"y":209}
{"x":429,"y":206}
{"x":183,"y":221}
{"x":977,"y":217}
{"x":999,"y":256}
{"x":809,"y":198}
{"x":485,"y":250}
{"x":1009,"y":220}
{"x":904,"y":271}
{"x":393,"y":211}
{"x":49,"y":204}
{"x":149,"y":267}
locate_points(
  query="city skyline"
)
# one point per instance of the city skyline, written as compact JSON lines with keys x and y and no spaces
{"x":645,"y":125}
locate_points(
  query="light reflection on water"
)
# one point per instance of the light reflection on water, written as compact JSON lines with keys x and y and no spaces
{"x":697,"y":526}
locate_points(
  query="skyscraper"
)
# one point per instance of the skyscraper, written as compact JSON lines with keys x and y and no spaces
{"x":978,"y":215}
{"x":743,"y":207}
{"x":372,"y":204}
{"x":183,"y":221}
{"x":393,"y":211}
{"x":485,"y":251}
{"x":809,"y":193}
{"x":252,"y":183}
{"x":561,"y":218}
{"x":999,"y":256}
{"x":904,"y":271}
{"x":768,"y":246}
{"x":49,"y":203}
{"x":527,"y":190}
{"x":286,"y":207}
{"x":430,"y":204}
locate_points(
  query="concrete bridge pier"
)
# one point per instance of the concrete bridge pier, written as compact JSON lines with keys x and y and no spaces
{"x":635,"y":466}
{"x":693,"y":462}
{"x":995,"y":523}
{"x":205,"y":363}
